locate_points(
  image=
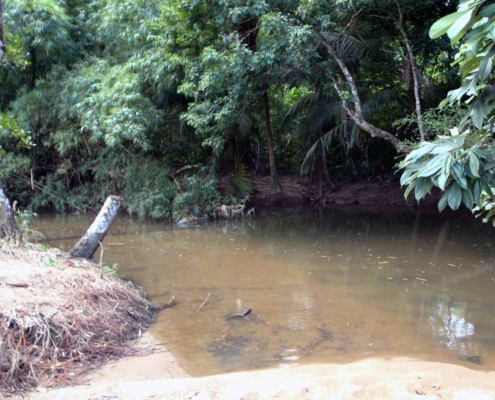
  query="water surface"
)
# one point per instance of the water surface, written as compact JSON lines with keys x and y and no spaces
{"x":323,"y":286}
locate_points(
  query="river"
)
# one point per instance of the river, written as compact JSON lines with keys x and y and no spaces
{"x":323,"y":286}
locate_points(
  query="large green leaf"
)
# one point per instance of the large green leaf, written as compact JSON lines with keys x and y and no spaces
{"x":441,"y":27}
{"x":444,"y":199}
{"x":474,"y":164}
{"x":422,"y":188}
{"x":467,"y":198}
{"x":455,"y":197}
{"x":459,"y":28}
{"x":433,"y":167}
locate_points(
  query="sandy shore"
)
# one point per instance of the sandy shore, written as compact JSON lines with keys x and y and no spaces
{"x":159,"y":376}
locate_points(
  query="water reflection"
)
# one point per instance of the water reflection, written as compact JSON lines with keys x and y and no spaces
{"x":323,"y":287}
{"x":450,"y":323}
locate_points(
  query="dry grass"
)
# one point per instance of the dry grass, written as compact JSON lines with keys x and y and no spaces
{"x":65,"y":321}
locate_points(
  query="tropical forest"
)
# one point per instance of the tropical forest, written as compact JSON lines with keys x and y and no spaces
{"x":177,"y":105}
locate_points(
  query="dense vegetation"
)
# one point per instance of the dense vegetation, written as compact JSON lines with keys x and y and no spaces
{"x":156,"y":99}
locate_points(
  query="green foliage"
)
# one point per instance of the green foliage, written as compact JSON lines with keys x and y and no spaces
{"x":15,"y":56}
{"x":111,"y":269}
{"x":104,"y":104}
{"x":23,"y":219}
{"x":198,"y":196}
{"x":9,"y":128}
{"x":436,"y":121}
{"x":462,"y":164}
{"x":242,"y":185}
{"x":44,"y":29}
{"x":112,"y":97}
{"x":473,"y":23}
{"x":149,"y":189}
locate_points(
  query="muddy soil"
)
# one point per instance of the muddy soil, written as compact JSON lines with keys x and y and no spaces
{"x":381,"y":191}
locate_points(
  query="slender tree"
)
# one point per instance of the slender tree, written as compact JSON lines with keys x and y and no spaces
{"x":414,"y":72}
{"x":3,"y":46}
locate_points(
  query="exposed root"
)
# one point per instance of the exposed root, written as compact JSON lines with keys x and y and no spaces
{"x":52,"y":344}
{"x":229,"y":212}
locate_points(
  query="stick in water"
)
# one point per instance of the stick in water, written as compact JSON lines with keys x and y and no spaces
{"x":247,"y":312}
{"x":204,"y":302}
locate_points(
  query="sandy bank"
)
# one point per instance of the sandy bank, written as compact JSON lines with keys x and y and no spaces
{"x":158,"y":376}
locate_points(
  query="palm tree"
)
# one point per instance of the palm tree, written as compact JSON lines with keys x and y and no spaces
{"x":324,"y":118}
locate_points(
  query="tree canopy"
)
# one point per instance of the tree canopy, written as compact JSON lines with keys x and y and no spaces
{"x":157,"y":100}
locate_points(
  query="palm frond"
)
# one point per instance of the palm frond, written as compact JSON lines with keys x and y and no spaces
{"x":323,"y":114}
{"x":242,"y":183}
{"x":381,"y":102}
{"x":309,"y":155}
{"x":340,"y":131}
{"x":302,"y":104}
{"x":350,"y":47}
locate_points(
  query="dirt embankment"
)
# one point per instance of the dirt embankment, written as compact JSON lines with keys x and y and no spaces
{"x":383,"y":191}
{"x":59,"y":318}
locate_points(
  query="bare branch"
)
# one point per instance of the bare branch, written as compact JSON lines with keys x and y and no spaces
{"x":351,"y":22}
{"x":357,"y":113}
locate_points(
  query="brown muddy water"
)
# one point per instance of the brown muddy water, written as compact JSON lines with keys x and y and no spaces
{"x":323,"y":286}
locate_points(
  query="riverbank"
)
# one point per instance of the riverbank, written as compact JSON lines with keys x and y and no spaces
{"x":60,"y":318}
{"x":382,"y":191}
{"x":158,"y":376}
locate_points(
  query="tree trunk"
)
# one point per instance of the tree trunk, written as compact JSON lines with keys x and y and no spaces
{"x":269,"y":139}
{"x":88,"y":244}
{"x":8,"y":226}
{"x":414,"y":73}
{"x":357,"y":113}
{"x":3,"y":45}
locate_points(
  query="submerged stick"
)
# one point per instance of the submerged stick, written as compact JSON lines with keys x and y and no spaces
{"x":247,"y":312}
{"x":204,"y":302}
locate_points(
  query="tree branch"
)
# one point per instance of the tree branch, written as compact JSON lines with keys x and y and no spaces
{"x":353,"y":18}
{"x":357,"y":113}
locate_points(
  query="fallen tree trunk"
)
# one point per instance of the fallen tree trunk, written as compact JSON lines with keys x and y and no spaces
{"x":88,"y":244}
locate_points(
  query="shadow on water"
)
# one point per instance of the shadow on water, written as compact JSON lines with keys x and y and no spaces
{"x":323,"y":286}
